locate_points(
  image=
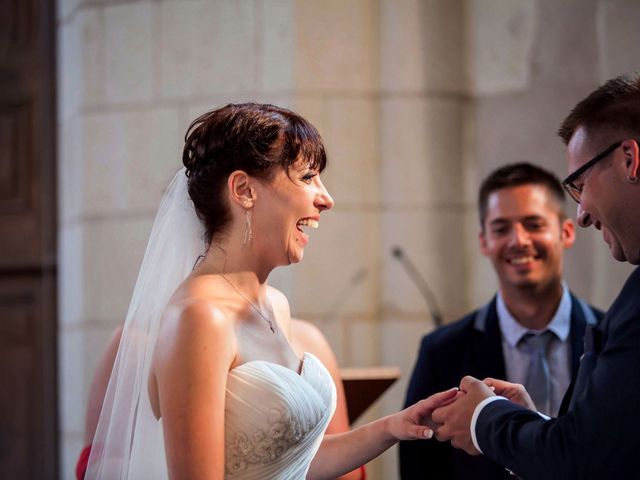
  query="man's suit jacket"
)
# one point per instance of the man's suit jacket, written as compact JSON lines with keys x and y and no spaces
{"x":470,"y":346}
{"x":599,"y":435}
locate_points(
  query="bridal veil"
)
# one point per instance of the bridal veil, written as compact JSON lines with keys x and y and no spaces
{"x":128,"y":441}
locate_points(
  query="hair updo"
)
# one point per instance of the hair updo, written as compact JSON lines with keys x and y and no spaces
{"x":255,"y":138}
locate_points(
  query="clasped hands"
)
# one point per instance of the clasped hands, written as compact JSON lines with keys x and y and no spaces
{"x":451,"y":420}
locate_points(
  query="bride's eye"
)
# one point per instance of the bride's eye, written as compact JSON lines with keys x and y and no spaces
{"x":308,"y":177}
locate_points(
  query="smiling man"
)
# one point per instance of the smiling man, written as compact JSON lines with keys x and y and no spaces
{"x":524,"y":232}
{"x":596,"y":434}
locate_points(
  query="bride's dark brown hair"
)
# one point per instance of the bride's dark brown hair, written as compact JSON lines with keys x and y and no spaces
{"x":256,"y":138}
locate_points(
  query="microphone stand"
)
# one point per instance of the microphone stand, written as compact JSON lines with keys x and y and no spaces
{"x":420,"y":283}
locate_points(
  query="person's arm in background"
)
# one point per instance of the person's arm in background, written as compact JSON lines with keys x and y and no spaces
{"x":422,"y":459}
{"x":306,"y":337}
{"x":96,"y":398}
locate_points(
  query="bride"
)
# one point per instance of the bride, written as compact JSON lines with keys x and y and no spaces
{"x":206,"y":384}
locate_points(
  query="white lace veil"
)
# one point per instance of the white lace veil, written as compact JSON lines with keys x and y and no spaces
{"x":128,"y":442}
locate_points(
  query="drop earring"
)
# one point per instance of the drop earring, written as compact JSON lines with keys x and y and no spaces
{"x":248,"y":233}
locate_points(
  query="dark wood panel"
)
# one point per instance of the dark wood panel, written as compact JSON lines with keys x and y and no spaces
{"x":16,"y":158}
{"x":17,"y":26}
{"x":28,"y":335}
{"x":28,"y":373}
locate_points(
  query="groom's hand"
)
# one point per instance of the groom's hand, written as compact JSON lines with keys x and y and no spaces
{"x":455,"y":419}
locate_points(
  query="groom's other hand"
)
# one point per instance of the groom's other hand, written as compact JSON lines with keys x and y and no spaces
{"x":514,"y":392}
{"x":455,"y":419}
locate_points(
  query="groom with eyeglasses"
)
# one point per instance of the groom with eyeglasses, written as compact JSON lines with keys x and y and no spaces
{"x":596,"y":435}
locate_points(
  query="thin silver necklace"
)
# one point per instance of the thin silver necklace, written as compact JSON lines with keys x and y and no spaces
{"x":258,"y":311}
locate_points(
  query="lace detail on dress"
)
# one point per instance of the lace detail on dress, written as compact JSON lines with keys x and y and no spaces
{"x":265,"y":445}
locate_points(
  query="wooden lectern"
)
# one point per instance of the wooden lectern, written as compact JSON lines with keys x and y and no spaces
{"x":363,"y":386}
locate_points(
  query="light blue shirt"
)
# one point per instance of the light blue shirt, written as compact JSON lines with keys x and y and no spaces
{"x":516,"y":360}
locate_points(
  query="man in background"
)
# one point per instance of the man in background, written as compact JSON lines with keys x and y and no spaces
{"x":529,"y":333}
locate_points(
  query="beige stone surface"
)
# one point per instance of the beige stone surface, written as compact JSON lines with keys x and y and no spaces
{"x":70,"y":169}
{"x":112,"y":253}
{"x":130,"y":156}
{"x":421,"y":46}
{"x":181,"y":37}
{"x":337,"y":274}
{"x":352,"y":141}
{"x":435,"y":243}
{"x":336,"y":45}
{"x":129,"y":51}
{"x":421,"y":151}
{"x":275,"y":25}
{"x":500,"y":36}
{"x":226,"y":56}
{"x":617,"y":26}
{"x":566,"y":48}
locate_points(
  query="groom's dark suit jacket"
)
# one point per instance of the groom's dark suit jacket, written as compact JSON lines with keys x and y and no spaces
{"x":598,"y":437}
{"x":470,"y":346}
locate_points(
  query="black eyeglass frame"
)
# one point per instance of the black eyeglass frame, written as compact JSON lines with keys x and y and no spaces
{"x":573,"y":191}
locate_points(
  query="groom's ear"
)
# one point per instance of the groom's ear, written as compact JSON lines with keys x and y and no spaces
{"x":241,"y":190}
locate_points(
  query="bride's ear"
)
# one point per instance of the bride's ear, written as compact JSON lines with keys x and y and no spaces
{"x":241,"y":189}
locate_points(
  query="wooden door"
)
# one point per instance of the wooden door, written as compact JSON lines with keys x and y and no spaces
{"x":28,"y":378}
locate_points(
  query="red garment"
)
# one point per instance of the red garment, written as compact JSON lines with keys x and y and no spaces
{"x":83,"y":460}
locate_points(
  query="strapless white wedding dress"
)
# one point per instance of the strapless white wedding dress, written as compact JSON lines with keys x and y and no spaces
{"x":275,"y":419}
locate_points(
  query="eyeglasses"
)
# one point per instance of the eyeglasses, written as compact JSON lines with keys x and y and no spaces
{"x":572,"y":189}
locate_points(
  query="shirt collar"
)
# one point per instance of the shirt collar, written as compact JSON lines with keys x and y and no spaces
{"x":512,"y":330}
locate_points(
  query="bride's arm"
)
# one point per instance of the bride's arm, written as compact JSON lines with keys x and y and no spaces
{"x":340,"y":453}
{"x":192,"y":359}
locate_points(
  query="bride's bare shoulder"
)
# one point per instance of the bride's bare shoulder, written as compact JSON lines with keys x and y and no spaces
{"x":198,"y":312}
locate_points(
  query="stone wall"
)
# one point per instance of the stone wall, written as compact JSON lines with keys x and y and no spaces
{"x":417,"y":101}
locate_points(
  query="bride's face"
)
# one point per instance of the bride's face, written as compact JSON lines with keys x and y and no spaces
{"x":287,"y":211}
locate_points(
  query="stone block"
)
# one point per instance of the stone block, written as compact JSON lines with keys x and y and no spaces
{"x":422,"y":46}
{"x":434,"y":241}
{"x":180,"y":38}
{"x":336,"y":44}
{"x":69,"y":70}
{"x":337,"y":276}
{"x":70,"y":170}
{"x":129,"y":52}
{"x":352,"y":173}
{"x":520,"y":128}
{"x":225,"y":55}
{"x":113,"y":251}
{"x":421,"y":151}
{"x":71,"y":276}
{"x":130,"y":157}
{"x":276,"y":45}
{"x":566,"y":47}
{"x":500,"y":39}
{"x":93,"y":56}
{"x":363,"y":347}
{"x":617,"y":35}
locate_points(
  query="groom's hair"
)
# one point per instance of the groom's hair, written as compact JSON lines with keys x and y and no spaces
{"x":515,"y":175}
{"x":608,"y":114}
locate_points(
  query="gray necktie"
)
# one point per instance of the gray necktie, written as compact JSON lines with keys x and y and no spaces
{"x":538,"y":380}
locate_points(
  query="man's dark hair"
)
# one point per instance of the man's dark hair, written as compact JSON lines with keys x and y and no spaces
{"x":608,"y":114}
{"x":515,"y":175}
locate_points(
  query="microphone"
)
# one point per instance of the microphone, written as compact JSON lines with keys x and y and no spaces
{"x":421,"y":284}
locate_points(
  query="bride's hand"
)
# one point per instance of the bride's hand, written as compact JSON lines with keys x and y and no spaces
{"x":415,"y":421}
{"x":514,"y":392}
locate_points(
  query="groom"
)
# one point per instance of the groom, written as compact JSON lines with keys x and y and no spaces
{"x":596,"y":435}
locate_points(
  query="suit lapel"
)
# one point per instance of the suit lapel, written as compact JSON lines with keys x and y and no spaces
{"x":488,"y":352}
